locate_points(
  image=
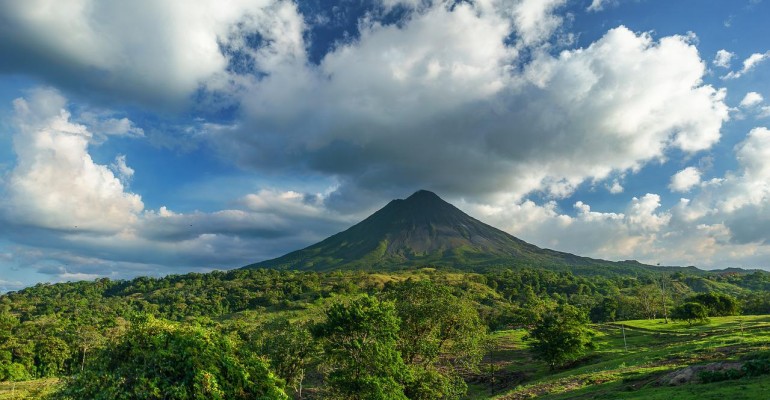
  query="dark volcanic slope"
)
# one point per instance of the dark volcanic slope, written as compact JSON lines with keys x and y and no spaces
{"x":424,"y":230}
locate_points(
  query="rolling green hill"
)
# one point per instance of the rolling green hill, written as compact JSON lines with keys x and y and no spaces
{"x":424,"y":230}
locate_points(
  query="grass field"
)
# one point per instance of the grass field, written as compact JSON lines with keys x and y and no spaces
{"x":26,"y":390}
{"x":634,"y":369}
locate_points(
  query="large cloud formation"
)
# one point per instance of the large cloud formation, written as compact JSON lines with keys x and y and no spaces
{"x":487,"y":102}
{"x":460,"y":97}
{"x":62,"y":208}
{"x":472,"y":115}
{"x":56,"y":184}
{"x":724,"y":223}
{"x":151,"y":52}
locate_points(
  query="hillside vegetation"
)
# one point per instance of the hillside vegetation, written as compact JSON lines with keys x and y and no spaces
{"x":434,"y":334}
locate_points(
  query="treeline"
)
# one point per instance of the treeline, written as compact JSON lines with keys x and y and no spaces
{"x":291,"y":329}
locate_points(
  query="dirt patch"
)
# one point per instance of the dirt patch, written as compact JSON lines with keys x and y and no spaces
{"x":498,"y":380}
{"x":560,"y":386}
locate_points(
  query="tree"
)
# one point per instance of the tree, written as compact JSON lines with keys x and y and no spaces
{"x":291,"y":349}
{"x":440,"y":335}
{"x":560,"y":336}
{"x":162,"y":360}
{"x":359,"y":340}
{"x":88,"y":338}
{"x":649,"y":299}
{"x":690,"y":312}
{"x":605,"y":311}
{"x":717,"y":304}
{"x":51,"y":353}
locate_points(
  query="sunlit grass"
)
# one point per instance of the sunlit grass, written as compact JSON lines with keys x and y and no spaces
{"x":632,"y":369}
{"x":36,"y":389}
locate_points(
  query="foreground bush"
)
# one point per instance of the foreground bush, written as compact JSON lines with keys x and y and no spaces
{"x":160,"y":360}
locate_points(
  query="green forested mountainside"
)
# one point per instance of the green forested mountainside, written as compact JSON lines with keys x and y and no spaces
{"x":424,"y":230}
{"x":57,"y":330}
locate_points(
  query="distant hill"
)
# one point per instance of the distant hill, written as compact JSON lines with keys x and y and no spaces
{"x":424,"y":230}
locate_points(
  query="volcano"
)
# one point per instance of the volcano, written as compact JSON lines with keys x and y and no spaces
{"x":423,"y":230}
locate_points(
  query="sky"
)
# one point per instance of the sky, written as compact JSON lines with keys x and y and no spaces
{"x":152,"y":138}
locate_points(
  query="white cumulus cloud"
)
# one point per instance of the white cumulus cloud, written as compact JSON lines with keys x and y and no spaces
{"x":685,"y":180}
{"x":748,"y":65}
{"x":751,"y":99}
{"x":372,"y":112}
{"x":723,"y":58}
{"x":56,"y":184}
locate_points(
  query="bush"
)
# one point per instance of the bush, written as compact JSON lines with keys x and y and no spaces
{"x":560,"y":336}
{"x":719,"y":376}
{"x":756,"y":367}
{"x":690,"y":312}
{"x":14,"y":372}
{"x":161,"y":360}
{"x":717,"y":304}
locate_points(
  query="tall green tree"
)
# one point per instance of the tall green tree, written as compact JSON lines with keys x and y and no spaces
{"x":717,"y":304}
{"x":440,"y":335}
{"x":605,"y":311}
{"x":560,"y":336}
{"x":291,"y":349}
{"x":51,"y":353}
{"x":359,"y":339}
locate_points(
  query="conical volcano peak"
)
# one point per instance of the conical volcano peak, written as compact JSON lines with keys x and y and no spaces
{"x":420,"y":230}
{"x":422,"y":207}
{"x":424,"y":195}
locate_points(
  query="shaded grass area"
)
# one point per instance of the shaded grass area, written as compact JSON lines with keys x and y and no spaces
{"x":27,"y":390}
{"x":634,"y":369}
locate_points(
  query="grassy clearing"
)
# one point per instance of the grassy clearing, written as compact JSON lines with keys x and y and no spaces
{"x":634,"y":369}
{"x":27,"y":390}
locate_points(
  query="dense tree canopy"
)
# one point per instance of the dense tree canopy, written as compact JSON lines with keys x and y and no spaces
{"x":359,"y":340}
{"x":717,"y":304}
{"x":163,"y":360}
{"x":440,"y":335}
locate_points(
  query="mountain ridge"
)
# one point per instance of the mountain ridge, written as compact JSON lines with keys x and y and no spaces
{"x":425,"y":230}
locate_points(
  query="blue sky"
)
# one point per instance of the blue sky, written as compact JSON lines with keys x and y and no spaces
{"x":146,"y":138}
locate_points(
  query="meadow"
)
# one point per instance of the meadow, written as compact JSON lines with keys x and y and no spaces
{"x":636,"y":367}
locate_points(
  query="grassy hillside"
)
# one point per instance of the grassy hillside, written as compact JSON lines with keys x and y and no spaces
{"x":643,"y":367}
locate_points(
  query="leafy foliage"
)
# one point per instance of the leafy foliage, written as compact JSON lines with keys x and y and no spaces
{"x":291,"y":350}
{"x":691,"y":312}
{"x":717,"y":304}
{"x":560,"y":336}
{"x":359,"y":340}
{"x":441,"y":334}
{"x":162,"y":360}
{"x":66,"y":329}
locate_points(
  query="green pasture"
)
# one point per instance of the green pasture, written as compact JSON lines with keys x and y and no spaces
{"x":633,"y":368}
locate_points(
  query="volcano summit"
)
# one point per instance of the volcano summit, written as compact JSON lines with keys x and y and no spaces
{"x":425,"y":230}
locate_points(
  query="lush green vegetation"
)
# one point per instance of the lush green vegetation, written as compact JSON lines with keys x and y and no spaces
{"x":646,"y":359}
{"x":418,"y":334}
